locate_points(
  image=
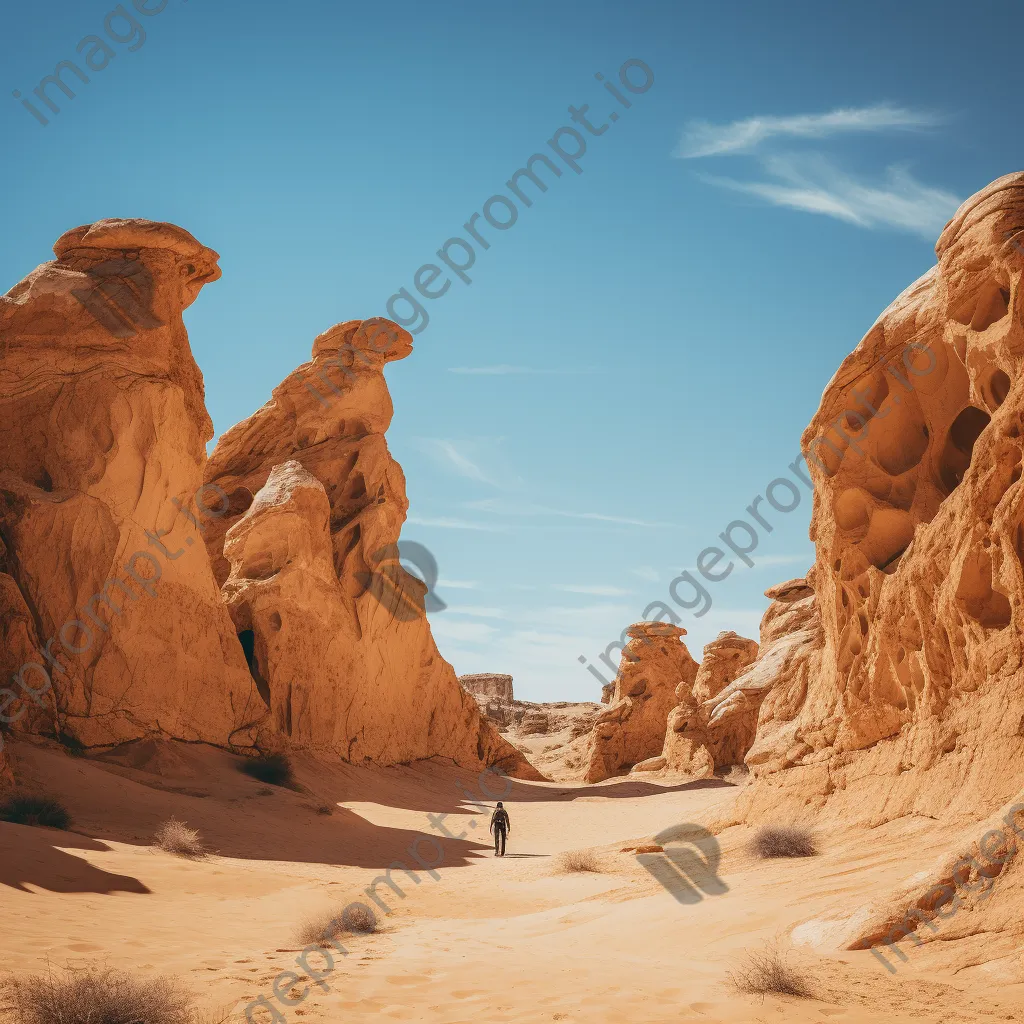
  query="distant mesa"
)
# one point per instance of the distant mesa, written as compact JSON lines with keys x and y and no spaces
{"x":488,"y":684}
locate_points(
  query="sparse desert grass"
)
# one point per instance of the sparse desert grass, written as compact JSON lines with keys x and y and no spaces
{"x":176,"y":837}
{"x":23,"y":809}
{"x":325,"y":809}
{"x":575,"y":861}
{"x":765,"y":972}
{"x":273,"y":769}
{"x":783,"y":841}
{"x":320,"y":929}
{"x":98,"y":996}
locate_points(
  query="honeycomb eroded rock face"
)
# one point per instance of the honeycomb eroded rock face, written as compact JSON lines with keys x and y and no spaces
{"x":914,"y":701}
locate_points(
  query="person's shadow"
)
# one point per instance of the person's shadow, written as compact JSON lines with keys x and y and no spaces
{"x":679,"y":870}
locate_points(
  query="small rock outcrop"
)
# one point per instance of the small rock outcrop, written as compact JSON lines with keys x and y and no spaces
{"x":654,"y":663}
{"x":488,"y":684}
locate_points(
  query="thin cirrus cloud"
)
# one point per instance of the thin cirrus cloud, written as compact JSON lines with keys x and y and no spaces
{"x":646,"y":573}
{"x":594,"y":590}
{"x":475,"y":611}
{"x":812,"y":183}
{"x":450,"y":523}
{"x":504,"y":370}
{"x":815,"y":185}
{"x":466,"y":458}
{"x":505,"y":508}
{"x":703,"y":139}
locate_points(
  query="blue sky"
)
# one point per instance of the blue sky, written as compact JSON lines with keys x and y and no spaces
{"x":635,"y":358}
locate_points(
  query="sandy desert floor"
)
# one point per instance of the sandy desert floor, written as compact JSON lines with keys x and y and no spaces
{"x":489,"y":940}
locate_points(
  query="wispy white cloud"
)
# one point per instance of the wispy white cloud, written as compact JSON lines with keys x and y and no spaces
{"x":459,"y":584}
{"x":448,"y":523}
{"x":701,"y":139}
{"x":596,"y":590}
{"x":475,"y":611}
{"x":645,"y":572}
{"x":506,"y":508}
{"x":767,"y":560}
{"x":479,"y":459}
{"x":503,"y":370}
{"x":450,"y":453}
{"x":813,"y":184}
{"x":464,"y":632}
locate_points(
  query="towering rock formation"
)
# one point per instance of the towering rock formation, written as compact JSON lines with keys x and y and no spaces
{"x":111,"y":620}
{"x":915,"y":700}
{"x":790,"y":641}
{"x":690,"y":746}
{"x":335,"y":628}
{"x":654,"y":663}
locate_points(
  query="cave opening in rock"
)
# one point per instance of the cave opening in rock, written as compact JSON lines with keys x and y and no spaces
{"x":247,"y":638}
{"x":964,"y":431}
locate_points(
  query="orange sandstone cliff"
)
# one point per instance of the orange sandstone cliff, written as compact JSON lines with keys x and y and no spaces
{"x":913,"y":702}
{"x":631,"y":730}
{"x":335,"y":628}
{"x":109,"y":611}
{"x":262,"y":608}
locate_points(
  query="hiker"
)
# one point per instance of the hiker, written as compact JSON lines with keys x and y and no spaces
{"x":500,"y":826}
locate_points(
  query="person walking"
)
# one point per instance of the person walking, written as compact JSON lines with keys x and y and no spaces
{"x":500,"y":826}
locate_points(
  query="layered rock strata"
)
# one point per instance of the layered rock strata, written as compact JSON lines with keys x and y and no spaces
{"x":488,"y":684}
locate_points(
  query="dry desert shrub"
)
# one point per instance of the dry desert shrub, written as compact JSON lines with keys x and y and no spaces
{"x":176,"y":837}
{"x":23,"y":809}
{"x":783,"y":841}
{"x":273,"y":769}
{"x":765,"y":972}
{"x":573,"y":861}
{"x":325,"y":809}
{"x":98,"y":996}
{"x":321,"y":929}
